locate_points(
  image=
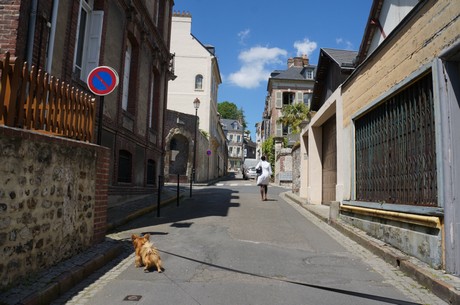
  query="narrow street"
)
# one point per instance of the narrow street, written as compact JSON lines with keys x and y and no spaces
{"x":226,"y":246}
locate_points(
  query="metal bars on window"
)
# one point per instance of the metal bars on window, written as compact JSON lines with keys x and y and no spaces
{"x":395,"y":149}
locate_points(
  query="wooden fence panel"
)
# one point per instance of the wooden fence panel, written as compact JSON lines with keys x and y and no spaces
{"x":33,"y":99}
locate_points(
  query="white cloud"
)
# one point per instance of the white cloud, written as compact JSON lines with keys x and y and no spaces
{"x":243,"y":35}
{"x":255,"y":66}
{"x":305,"y":47}
{"x":342,"y":42}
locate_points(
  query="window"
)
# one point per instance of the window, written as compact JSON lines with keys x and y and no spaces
{"x":199,"y":82}
{"x":87,"y":46}
{"x":157,"y":11}
{"x":124,"y":166}
{"x":288,"y":98}
{"x":309,"y":74}
{"x":231,"y":137}
{"x":126,"y":73}
{"x":395,"y":149}
{"x":151,"y":101}
{"x":307,"y":99}
{"x":151,"y":172}
{"x":238,"y":138}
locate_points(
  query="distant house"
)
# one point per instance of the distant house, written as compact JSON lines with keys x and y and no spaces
{"x":285,"y":87}
{"x":235,"y":135}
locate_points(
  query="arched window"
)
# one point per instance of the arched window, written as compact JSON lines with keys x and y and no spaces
{"x":124,"y":166}
{"x":199,"y":82}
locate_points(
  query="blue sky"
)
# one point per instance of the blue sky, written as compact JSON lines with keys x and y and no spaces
{"x":254,"y":37}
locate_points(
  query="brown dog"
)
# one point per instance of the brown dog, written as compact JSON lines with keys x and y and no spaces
{"x":146,"y":253}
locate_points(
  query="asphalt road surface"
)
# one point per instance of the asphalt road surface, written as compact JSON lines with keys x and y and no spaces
{"x":226,"y":246}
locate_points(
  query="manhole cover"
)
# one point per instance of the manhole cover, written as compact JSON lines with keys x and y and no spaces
{"x":134,"y":298}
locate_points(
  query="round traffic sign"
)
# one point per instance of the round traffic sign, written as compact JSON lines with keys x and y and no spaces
{"x":102,"y":80}
{"x":208,"y":152}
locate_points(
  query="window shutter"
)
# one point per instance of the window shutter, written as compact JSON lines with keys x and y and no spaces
{"x":299,"y":97}
{"x":279,"y":100}
{"x":94,"y":42}
{"x":126,"y":72}
{"x":279,"y":129}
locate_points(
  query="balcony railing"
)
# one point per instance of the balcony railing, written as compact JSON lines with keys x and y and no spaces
{"x":32,"y":99}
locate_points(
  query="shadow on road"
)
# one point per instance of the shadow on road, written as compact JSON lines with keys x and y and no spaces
{"x":205,"y":202}
{"x":336,"y":290}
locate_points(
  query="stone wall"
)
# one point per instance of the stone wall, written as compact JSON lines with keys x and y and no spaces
{"x":296,"y":169}
{"x":284,"y":164}
{"x":53,"y":200}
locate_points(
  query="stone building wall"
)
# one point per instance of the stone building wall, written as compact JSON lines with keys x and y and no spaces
{"x":284,"y":164}
{"x":53,"y":200}
{"x":296,"y":169}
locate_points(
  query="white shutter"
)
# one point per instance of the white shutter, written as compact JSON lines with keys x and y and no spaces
{"x":94,"y":42}
{"x":299,"y":97}
{"x":279,"y":129}
{"x":279,"y":100}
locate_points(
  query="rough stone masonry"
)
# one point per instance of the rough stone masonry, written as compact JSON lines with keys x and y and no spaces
{"x":47,"y":202}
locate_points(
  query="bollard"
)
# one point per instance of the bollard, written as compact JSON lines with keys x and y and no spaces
{"x":178,"y":176}
{"x":159,"y":196}
{"x":191,"y":180}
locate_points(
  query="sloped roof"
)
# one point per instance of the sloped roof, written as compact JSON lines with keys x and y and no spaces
{"x":343,"y":58}
{"x":291,"y":73}
{"x":328,"y":58}
{"x":227,"y":123}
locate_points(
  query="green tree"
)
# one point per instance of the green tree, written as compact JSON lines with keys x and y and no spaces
{"x":294,"y":115}
{"x":229,"y":110}
{"x":268,"y":150}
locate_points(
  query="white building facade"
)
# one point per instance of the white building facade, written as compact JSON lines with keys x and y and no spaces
{"x":197,"y":76}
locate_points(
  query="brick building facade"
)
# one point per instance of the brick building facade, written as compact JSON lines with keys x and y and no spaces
{"x":69,"y":38}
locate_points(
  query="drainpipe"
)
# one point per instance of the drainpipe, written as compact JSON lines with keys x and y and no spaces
{"x":31,"y":33}
{"x":49,"y":61}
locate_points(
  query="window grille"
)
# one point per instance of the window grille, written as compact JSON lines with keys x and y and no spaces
{"x":395,"y":149}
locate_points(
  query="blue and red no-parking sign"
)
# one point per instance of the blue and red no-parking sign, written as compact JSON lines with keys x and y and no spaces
{"x":102,"y":80}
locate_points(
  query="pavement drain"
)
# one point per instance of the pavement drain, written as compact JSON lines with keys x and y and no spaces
{"x":134,"y":298}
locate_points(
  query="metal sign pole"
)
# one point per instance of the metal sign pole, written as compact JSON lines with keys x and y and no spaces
{"x":99,"y":127}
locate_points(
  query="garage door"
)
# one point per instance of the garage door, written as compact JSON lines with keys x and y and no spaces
{"x":329,"y":160}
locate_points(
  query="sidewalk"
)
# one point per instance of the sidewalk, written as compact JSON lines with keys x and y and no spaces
{"x":445,"y":286}
{"x":57,"y":280}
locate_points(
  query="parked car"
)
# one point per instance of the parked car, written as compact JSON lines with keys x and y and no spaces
{"x":251,"y":173}
{"x":248,"y":163}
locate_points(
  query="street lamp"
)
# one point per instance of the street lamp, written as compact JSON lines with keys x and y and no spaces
{"x":196,"y":105}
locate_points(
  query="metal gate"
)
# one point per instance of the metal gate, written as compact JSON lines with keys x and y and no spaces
{"x":395,"y":149}
{"x":329,"y":161}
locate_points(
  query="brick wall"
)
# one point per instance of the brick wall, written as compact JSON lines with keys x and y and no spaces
{"x":9,"y":26}
{"x":53,"y":200}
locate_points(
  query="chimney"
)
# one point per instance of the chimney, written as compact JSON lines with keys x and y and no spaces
{"x":305,"y":60}
{"x":290,"y":62}
{"x":298,"y":62}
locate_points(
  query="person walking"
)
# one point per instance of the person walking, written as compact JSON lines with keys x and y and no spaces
{"x":264,"y":178}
